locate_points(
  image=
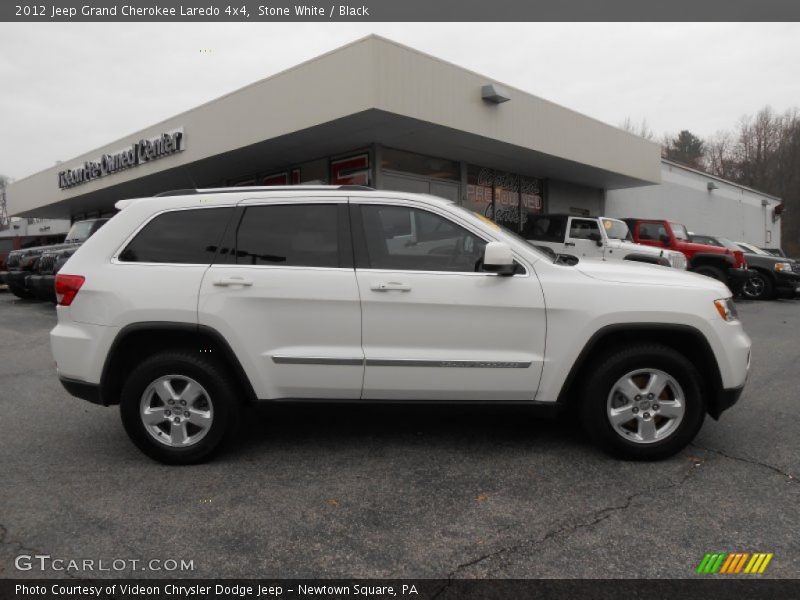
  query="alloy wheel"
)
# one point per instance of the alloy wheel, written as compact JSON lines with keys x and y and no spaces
{"x":645,"y":406}
{"x":176,"y":411}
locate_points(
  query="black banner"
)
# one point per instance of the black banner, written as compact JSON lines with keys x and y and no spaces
{"x":401,"y":10}
{"x":388,"y":589}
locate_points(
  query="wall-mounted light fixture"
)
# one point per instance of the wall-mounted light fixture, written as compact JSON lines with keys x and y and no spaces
{"x":494,"y":93}
{"x":711,"y":186}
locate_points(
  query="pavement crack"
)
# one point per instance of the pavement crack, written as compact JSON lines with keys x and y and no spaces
{"x":750,"y":461}
{"x":566,"y":529}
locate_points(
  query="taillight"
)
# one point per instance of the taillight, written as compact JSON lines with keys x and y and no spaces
{"x":67,"y":287}
{"x":739,"y":256}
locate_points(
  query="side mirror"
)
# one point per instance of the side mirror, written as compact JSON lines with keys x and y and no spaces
{"x":498,"y":258}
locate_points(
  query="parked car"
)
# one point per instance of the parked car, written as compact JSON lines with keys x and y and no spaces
{"x":22,"y":277}
{"x":595,"y":237}
{"x":183,"y":307}
{"x":723,"y":264}
{"x":10,"y":243}
{"x":772,"y":276}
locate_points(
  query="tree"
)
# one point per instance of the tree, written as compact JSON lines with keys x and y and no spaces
{"x":4,"y":181}
{"x":686,"y":148}
{"x":641,"y":129}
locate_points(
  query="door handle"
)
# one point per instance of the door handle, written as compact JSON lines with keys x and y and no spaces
{"x":226,"y":281}
{"x":390,"y":286}
{"x":569,"y":243}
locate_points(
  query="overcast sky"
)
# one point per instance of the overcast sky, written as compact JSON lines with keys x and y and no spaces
{"x":66,"y":89}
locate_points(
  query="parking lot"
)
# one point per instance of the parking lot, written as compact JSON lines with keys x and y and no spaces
{"x":365,"y":491}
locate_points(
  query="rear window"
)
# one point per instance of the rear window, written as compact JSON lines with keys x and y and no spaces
{"x":179,"y":236}
{"x":289,"y":235}
{"x":545,"y":228}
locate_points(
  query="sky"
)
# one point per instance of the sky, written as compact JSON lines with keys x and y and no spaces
{"x":67,"y":88}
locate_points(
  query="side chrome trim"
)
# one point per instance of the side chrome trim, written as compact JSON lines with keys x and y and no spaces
{"x":468,"y":364}
{"x":400,"y":362}
{"x":316,"y":360}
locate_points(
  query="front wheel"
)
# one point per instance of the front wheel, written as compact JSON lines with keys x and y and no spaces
{"x":177,"y":407}
{"x":643,"y":402}
{"x":758,"y":287}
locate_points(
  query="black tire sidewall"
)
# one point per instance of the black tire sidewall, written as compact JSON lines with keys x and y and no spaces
{"x":211,"y":376}
{"x":767,"y":290}
{"x":608,"y":372}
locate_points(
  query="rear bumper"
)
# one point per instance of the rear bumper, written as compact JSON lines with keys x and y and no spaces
{"x":81,"y":389}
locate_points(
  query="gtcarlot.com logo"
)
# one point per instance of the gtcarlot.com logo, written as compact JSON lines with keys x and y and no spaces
{"x":730,"y":563}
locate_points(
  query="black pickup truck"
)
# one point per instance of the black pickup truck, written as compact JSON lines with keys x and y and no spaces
{"x":771,"y":276}
{"x":32,"y":271}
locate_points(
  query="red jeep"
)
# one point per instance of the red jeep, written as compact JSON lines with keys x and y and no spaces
{"x":727,"y":266}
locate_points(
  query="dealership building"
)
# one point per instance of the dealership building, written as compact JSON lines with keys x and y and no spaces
{"x":380,"y":114}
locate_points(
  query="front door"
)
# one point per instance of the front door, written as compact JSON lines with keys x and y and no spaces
{"x":582,"y":238}
{"x":287,"y":299}
{"x":434,"y":326}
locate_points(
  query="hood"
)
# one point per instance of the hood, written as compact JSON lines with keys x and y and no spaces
{"x":630,"y":272}
{"x":39,"y":249}
{"x":641,"y":248}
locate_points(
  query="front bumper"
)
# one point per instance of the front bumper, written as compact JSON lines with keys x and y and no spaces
{"x":16,"y":281}
{"x":723,"y":400}
{"x":43,"y":287}
{"x":787,"y":283}
{"x":81,"y":389}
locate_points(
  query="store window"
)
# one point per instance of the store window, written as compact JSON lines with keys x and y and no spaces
{"x":419,"y":164}
{"x":353,"y":170}
{"x":508,"y":198}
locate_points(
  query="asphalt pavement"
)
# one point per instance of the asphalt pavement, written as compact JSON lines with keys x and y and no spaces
{"x":418,"y":492}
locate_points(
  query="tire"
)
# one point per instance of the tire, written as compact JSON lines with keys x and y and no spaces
{"x":713,"y":272}
{"x":201,"y":389}
{"x":666,"y":422}
{"x":759,"y":287}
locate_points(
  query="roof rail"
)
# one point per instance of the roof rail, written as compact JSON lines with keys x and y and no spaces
{"x":266,"y":188}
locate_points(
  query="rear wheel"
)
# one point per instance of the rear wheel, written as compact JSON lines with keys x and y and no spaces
{"x":177,"y":407}
{"x":758,"y":287}
{"x":643,"y":402}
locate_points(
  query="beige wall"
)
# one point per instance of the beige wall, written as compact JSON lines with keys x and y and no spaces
{"x":370,"y":73}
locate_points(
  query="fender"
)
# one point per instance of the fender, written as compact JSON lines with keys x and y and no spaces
{"x":202,"y":333}
{"x":712,"y":258}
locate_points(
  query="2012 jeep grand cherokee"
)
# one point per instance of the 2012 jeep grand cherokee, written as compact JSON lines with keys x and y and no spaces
{"x":184,"y":307}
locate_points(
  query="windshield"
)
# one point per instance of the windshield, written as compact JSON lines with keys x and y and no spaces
{"x":679,"y":231}
{"x":616,"y":230}
{"x":753,"y":249}
{"x":486,"y":221}
{"x":729,"y":244}
{"x":79,"y":231}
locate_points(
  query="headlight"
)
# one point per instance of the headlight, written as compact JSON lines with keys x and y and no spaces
{"x":783,"y":266}
{"x":726,"y":309}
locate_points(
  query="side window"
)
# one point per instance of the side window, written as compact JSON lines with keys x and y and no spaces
{"x":581,"y":229}
{"x":651,"y":231}
{"x":545,"y":228}
{"x":289,"y":235}
{"x":424,"y":242}
{"x":179,"y":236}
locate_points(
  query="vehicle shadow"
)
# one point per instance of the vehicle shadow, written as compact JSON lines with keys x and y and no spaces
{"x":284,"y":425}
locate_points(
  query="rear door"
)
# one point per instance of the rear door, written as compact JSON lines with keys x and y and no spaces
{"x":286,"y":299}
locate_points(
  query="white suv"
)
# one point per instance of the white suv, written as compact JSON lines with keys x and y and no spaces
{"x":184,"y":307}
